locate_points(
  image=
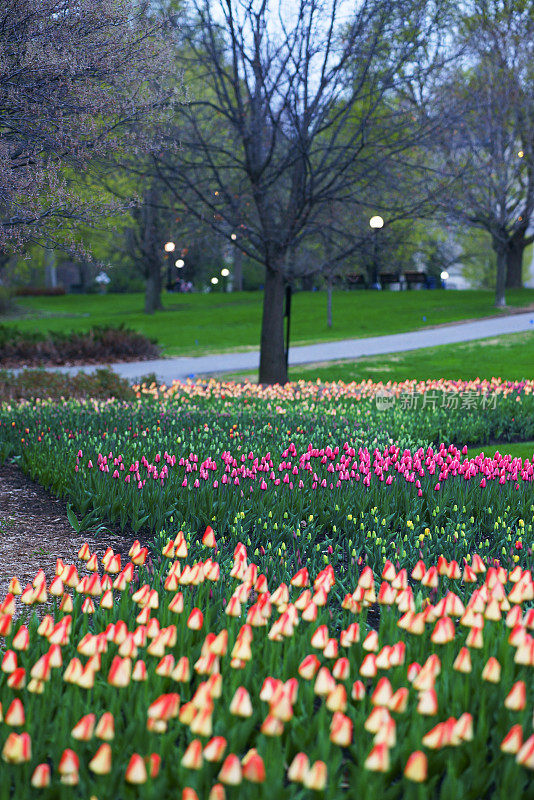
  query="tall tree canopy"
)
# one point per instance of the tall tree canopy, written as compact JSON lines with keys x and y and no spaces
{"x":78,"y":78}
{"x":281,"y":121}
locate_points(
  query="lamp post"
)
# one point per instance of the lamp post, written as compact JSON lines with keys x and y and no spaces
{"x":169,"y":248}
{"x":376,"y":222}
{"x":225,"y":272}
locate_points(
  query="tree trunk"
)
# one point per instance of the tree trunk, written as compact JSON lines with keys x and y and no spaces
{"x":153,"y":293}
{"x":514,"y":264}
{"x":237,"y":283}
{"x":272,"y":352}
{"x":329,"y":303}
{"x":500,"y":289}
{"x":50,"y":269}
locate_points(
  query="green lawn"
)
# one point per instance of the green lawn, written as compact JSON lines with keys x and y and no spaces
{"x":196,"y":324}
{"x":522,"y":449}
{"x":510,"y":357}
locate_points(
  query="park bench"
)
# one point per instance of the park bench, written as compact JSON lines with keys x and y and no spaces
{"x":387,"y":278}
{"x":414,"y":277}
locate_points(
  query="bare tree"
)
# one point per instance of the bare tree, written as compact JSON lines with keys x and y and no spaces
{"x":487,"y":141}
{"x":279,"y":122}
{"x":78,"y":79}
{"x":144,"y":245}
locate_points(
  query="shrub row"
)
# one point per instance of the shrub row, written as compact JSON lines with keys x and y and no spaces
{"x":98,"y":344}
{"x":33,"y":383}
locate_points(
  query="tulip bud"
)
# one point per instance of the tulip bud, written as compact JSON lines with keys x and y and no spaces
{"x":253,"y":767}
{"x":192,"y":758}
{"x":69,"y":763}
{"x":100,"y":764}
{"x":341,"y":730}
{"x":15,"y":714}
{"x":298,"y":769}
{"x":84,"y":729}
{"x":136,"y":770}
{"x":231,"y":772}
{"x":517,"y":698}
{"x":41,"y":776}
{"x":525,"y":756}
{"x":308,"y":667}
{"x":358,"y":690}
{"x":416,"y":768}
{"x":316,"y":776}
{"x":492,"y":670}
{"x":378,"y":759}
{"x":105,"y":728}
{"x":17,"y":748}
{"x":241,"y":705}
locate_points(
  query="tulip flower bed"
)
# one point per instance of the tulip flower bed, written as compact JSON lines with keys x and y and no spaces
{"x":202,"y":678}
{"x":294,"y":472}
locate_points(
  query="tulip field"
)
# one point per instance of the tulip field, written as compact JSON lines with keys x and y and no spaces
{"x":336,"y":601}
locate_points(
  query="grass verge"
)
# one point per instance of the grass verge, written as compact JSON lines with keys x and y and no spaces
{"x":197,"y":324}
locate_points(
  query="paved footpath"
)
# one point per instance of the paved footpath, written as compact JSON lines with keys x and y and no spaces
{"x":169,"y":369}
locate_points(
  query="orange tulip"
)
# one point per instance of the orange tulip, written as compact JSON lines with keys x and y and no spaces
{"x":416,"y":768}
{"x":299,"y":768}
{"x":105,"y":728}
{"x":253,"y":767}
{"x":15,"y":714}
{"x":84,"y":729}
{"x":341,"y":730}
{"x":195,"y":620}
{"x":525,"y":756}
{"x":399,"y":700}
{"x":378,"y":759}
{"x":9,"y":662}
{"x":231,"y":772}
{"x":208,"y":540}
{"x":69,"y":764}
{"x":428,"y":703}
{"x":382,"y":693}
{"x":136,"y":770}
{"x":271,"y":726}
{"x":308,"y":667}
{"x":324,"y":682}
{"x":100,"y":764}
{"x":341,"y":669}
{"x":17,"y":679}
{"x":21,"y":640}
{"x":192,"y":758}
{"x":17,"y":748}
{"x":358,"y":690}
{"x":316,"y":776}
{"x":320,"y":637}
{"x":241,"y":705}
{"x":41,"y":776}
{"x":337,"y":699}
{"x":462,"y":662}
{"x":516,"y":700}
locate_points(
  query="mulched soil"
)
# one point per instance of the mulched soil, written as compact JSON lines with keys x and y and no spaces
{"x":35,"y":531}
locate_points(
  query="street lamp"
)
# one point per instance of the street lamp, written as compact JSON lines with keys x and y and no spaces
{"x":179,"y":263}
{"x":215,"y":281}
{"x":225,"y":272}
{"x":376,"y":222}
{"x":169,"y":248}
